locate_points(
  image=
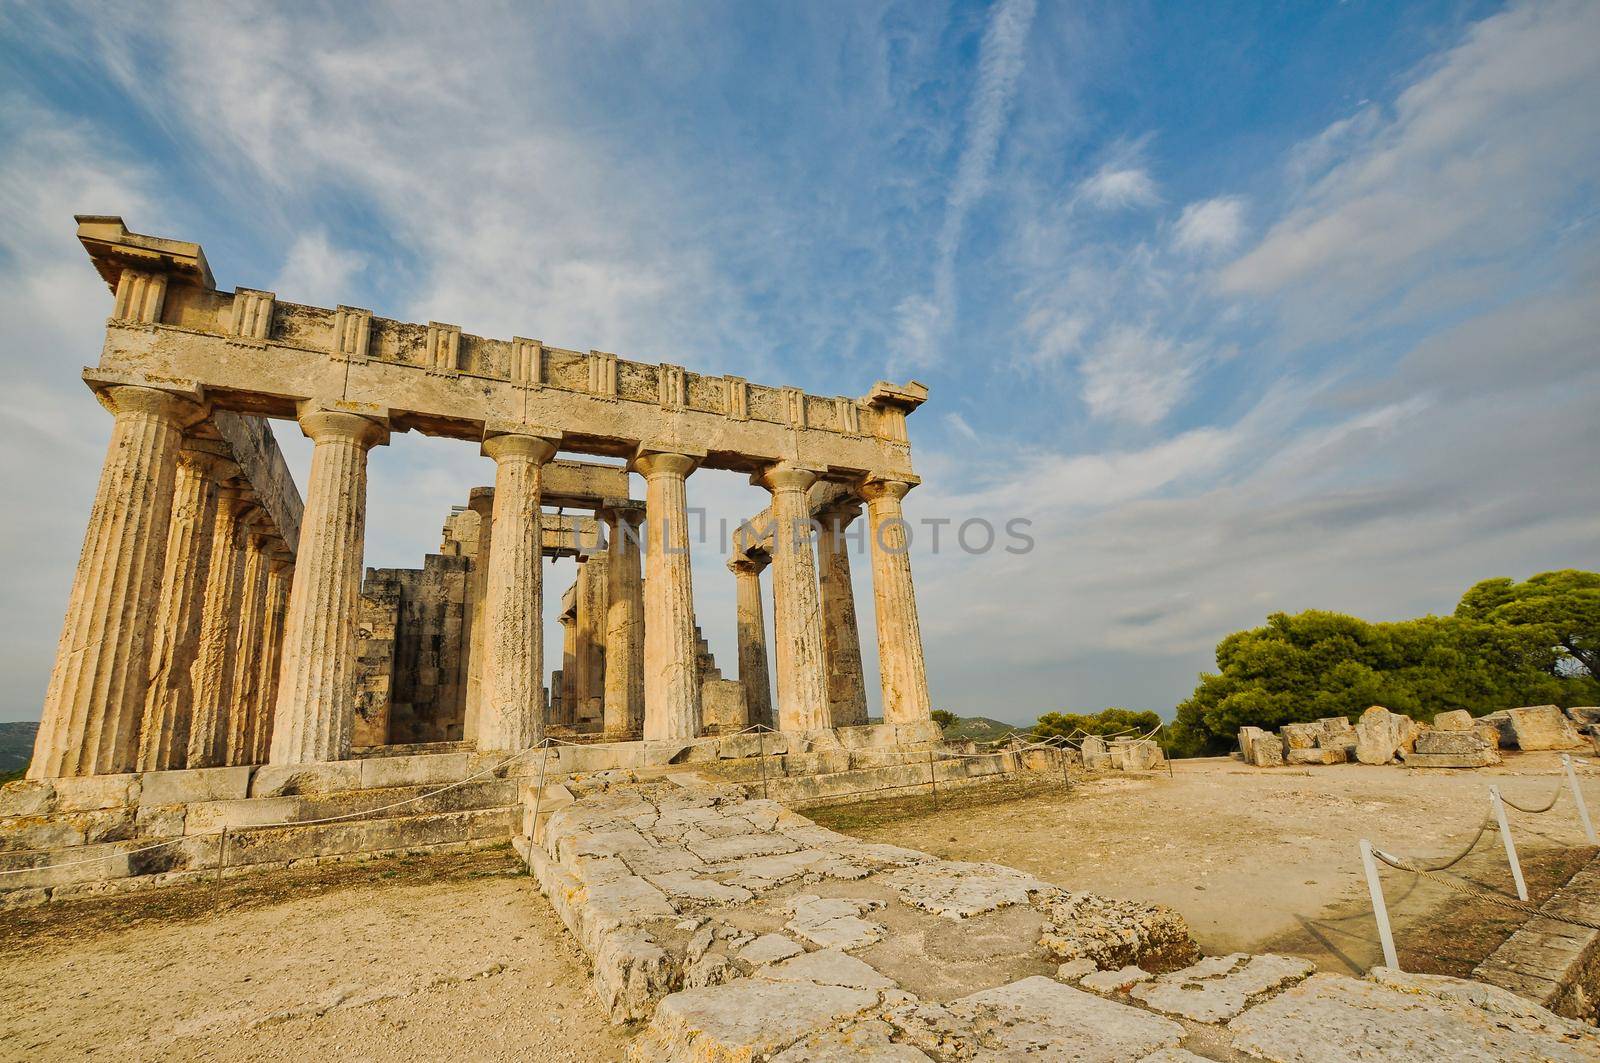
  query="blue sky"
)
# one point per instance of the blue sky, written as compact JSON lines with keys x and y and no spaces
{"x":1246,"y":308}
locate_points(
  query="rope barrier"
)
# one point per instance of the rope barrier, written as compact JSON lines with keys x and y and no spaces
{"x":1485,"y":895}
{"x":1548,"y":805}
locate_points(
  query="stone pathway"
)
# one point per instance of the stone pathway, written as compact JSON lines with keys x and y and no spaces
{"x":738,"y":930}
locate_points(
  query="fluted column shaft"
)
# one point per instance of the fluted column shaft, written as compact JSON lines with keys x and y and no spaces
{"x":752,"y":634}
{"x":169,"y":701}
{"x":797,"y":616}
{"x":624,"y":680}
{"x":95,"y":700}
{"x":481,"y":502}
{"x":315,"y":708}
{"x":900,"y":662}
{"x":511,"y":716}
{"x":593,"y":590}
{"x":565,"y":711}
{"x":841,"y":637}
{"x":244,"y":703}
{"x":213,"y":668}
{"x":671,"y":679}
{"x":280,"y":572}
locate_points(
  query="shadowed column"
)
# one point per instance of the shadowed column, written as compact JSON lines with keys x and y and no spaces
{"x":841,"y":638}
{"x":900,"y":663}
{"x":752,"y":634}
{"x":169,"y":701}
{"x":510,"y":715}
{"x":95,"y":700}
{"x":797,"y":618}
{"x":244,"y":704}
{"x":315,"y":708}
{"x":280,"y":572}
{"x":213,"y":667}
{"x":671,"y":680}
{"x":624,"y":693}
{"x":481,"y":502}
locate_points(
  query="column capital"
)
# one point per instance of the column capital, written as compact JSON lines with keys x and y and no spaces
{"x":841,"y":512}
{"x":621,"y":511}
{"x":208,"y":458}
{"x":119,"y":393}
{"x":537,"y":441}
{"x":537,"y":446}
{"x":874,"y":488}
{"x":680,"y":461}
{"x":366,"y":426}
{"x":748,"y":564}
{"x":786,"y":476}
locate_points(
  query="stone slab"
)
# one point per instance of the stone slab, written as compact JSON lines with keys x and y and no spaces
{"x":288,"y":780}
{"x":1041,"y":1018}
{"x":826,"y":967}
{"x":422,"y":770}
{"x":1448,"y":760}
{"x":1332,"y":1018}
{"x":196,"y":784}
{"x":1458,"y":743}
{"x":957,"y":890}
{"x":1454,"y":720}
{"x":743,"y":1020}
{"x":1219,"y":987}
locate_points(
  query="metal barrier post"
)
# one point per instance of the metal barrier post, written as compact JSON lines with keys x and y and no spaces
{"x":1577,"y":799}
{"x":1511,"y":848}
{"x":1380,"y":911}
{"x":538,"y":799}
{"x":761,"y":757}
{"x":933,"y":783}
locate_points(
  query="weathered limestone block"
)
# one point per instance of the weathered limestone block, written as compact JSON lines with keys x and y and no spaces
{"x":1454,"y":720}
{"x":743,"y":1020}
{"x":1260,"y":747}
{"x":1331,"y":1018}
{"x":1116,"y":933}
{"x":1457,"y":742}
{"x":1301,"y":735}
{"x":826,"y":967}
{"x":1138,"y":754}
{"x":1482,"y":758}
{"x":1536,"y":727}
{"x":1220,"y":987}
{"x":1096,"y":755}
{"x":1110,"y":983}
{"x":833,"y":922}
{"x":1316,"y":755}
{"x":1381,"y":735}
{"x":1035,"y":1018}
{"x":958,"y":890}
{"x":769,"y":948}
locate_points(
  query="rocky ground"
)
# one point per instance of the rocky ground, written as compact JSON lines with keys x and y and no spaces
{"x":460,"y":955}
{"x":1266,"y":859}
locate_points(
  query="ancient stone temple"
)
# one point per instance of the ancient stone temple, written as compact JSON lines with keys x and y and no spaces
{"x":216,"y":621}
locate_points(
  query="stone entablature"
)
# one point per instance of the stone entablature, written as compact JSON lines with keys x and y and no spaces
{"x":439,"y":380}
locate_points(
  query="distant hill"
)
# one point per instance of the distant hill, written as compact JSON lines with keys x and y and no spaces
{"x":979,"y":729}
{"x":16,"y":745}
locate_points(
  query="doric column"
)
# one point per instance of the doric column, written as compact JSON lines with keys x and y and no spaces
{"x":671,"y":680}
{"x":753,"y":672}
{"x":900,"y":663}
{"x":315,"y":707}
{"x":481,"y":501}
{"x":95,"y":700}
{"x":169,"y":701}
{"x":565,"y":710}
{"x":593,"y":590}
{"x":213,"y":668}
{"x":280,"y":571}
{"x":244,"y":702}
{"x":797,"y":618}
{"x":624,"y":693}
{"x":841,"y":638}
{"x":510,"y":716}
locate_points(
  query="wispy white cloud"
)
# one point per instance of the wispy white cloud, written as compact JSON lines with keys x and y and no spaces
{"x":317,"y":272}
{"x":925,"y":319}
{"x":1116,"y":187}
{"x":1210,"y":226}
{"x":1137,"y":375}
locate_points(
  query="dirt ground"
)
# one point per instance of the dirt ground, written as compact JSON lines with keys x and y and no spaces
{"x":431,"y":958}
{"x":460,"y":957}
{"x":1259,"y":859}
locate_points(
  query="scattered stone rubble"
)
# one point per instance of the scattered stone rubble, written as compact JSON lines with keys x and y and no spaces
{"x":836,"y":949}
{"x":1455,"y":739}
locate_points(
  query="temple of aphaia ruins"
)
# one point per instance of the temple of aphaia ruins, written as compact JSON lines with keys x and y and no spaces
{"x":213,"y":621}
{"x":233,"y":693}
